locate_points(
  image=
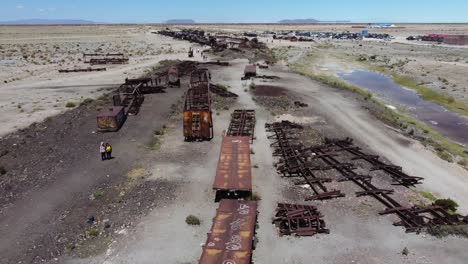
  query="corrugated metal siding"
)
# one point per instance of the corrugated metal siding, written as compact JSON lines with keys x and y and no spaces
{"x":234,"y":171}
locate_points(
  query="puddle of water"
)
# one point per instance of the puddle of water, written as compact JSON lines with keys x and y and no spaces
{"x":449,"y":124}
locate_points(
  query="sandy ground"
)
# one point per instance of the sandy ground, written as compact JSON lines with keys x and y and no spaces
{"x":39,"y":91}
{"x":158,"y":233}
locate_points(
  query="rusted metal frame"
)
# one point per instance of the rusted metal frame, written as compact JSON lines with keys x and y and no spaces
{"x":300,"y":220}
{"x":197,"y":99}
{"x":132,"y":101}
{"x":413,"y":219}
{"x":407,"y":217}
{"x":82,"y":70}
{"x":395,"y":171}
{"x":242,"y":123}
{"x":300,"y":168}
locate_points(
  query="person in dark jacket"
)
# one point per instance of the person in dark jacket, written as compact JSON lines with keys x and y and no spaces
{"x":108,"y":151}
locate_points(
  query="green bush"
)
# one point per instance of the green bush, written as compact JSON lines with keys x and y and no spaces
{"x":445,"y":155}
{"x":192,"y":220}
{"x":98,"y":195}
{"x":158,"y":132}
{"x":255,"y":197}
{"x":70,"y":104}
{"x":449,"y":230}
{"x":463,"y":162}
{"x":448,"y":203}
{"x":87,"y":101}
{"x":94,"y":232}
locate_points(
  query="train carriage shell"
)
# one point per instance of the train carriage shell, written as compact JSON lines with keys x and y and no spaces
{"x":234,"y":172}
{"x":198,"y":120}
{"x":198,"y":124}
{"x":250,"y":70}
{"x":173,"y":76}
{"x":230,"y":240}
{"x":111,"y":120}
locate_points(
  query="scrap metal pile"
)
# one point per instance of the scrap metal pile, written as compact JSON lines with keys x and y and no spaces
{"x":242,"y":124}
{"x":340,"y":156}
{"x":197,"y":36}
{"x":304,"y":36}
{"x":299,"y":220}
{"x":105,"y":58}
{"x":81,"y":70}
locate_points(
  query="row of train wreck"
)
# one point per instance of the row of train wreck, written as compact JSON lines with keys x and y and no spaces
{"x":232,"y":235}
{"x":131,"y":95}
{"x":216,"y":42}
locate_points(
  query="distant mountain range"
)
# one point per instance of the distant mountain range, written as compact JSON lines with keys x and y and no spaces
{"x":180,"y":21}
{"x":309,"y":21}
{"x":36,"y":21}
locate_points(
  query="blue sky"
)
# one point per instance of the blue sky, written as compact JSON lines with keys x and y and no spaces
{"x":147,"y":11}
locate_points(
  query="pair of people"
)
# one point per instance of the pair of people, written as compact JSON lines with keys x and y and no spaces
{"x":106,"y":151}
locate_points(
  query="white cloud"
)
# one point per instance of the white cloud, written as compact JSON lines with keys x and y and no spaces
{"x":20,"y":6}
{"x":49,"y":9}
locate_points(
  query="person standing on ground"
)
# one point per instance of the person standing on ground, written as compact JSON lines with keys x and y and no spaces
{"x":102,"y":149}
{"x":108,"y":151}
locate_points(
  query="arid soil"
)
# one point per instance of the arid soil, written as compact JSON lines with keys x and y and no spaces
{"x":31,"y":87}
{"x":55,"y":180}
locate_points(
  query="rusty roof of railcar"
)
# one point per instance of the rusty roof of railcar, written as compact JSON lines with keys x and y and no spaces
{"x":251,"y":68}
{"x":198,"y":98}
{"x":230,"y":239}
{"x":110,"y":112}
{"x":234,"y":170}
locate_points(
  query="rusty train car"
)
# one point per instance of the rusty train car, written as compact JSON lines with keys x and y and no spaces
{"x":173,"y":77}
{"x":250,"y":71}
{"x":198,"y":119}
{"x":111,"y":119}
{"x":234,"y":173}
{"x":231,"y":239}
{"x":200,"y":77}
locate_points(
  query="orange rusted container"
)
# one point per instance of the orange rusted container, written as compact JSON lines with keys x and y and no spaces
{"x":234,"y":172}
{"x":111,"y":120}
{"x":198,"y":125}
{"x":198,"y":120}
{"x":173,"y":76}
{"x":231,"y":237}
